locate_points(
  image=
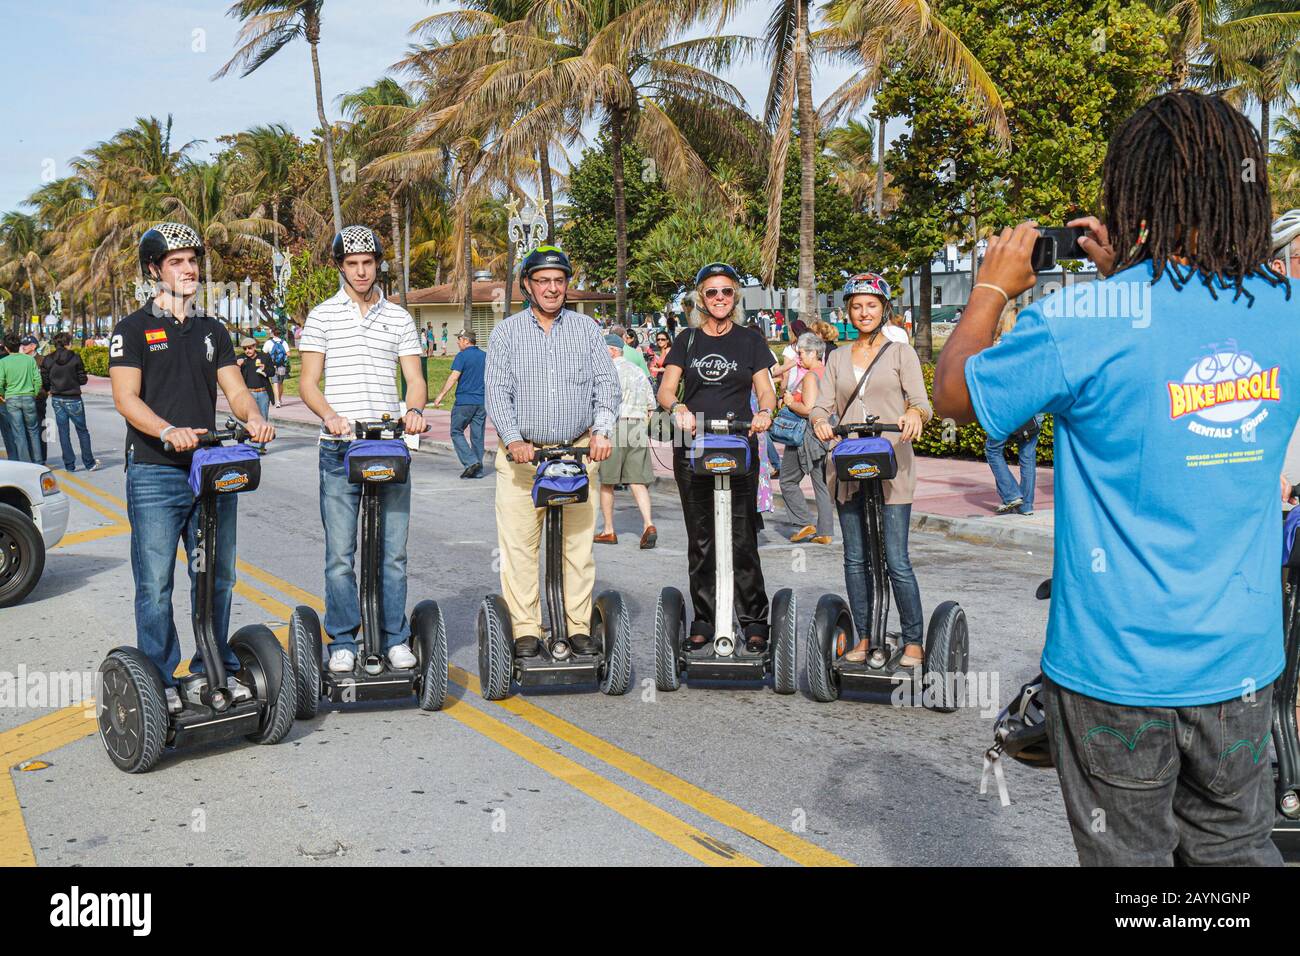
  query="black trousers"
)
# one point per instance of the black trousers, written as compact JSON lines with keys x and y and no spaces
{"x":696,"y":493}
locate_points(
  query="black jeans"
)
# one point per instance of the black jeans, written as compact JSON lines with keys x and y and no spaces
{"x":1151,"y":786}
{"x":696,"y":493}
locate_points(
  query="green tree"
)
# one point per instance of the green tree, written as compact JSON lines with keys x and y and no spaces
{"x":672,"y":251}
{"x":1068,"y":76}
{"x":589,"y":235}
{"x":309,"y":285}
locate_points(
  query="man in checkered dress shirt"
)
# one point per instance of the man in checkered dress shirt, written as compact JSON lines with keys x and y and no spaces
{"x":549,"y":381}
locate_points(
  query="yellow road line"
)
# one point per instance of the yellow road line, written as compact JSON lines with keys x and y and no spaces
{"x":644,"y":814}
{"x":93,"y":489}
{"x":769,"y":834}
{"x":93,"y":534}
{"x":112,"y":516}
{"x":15,"y":846}
{"x":784,"y":842}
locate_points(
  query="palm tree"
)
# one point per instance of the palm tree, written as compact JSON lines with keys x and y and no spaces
{"x":878,"y":32}
{"x":269,"y":153}
{"x":22,"y":251}
{"x":270,"y":26}
{"x":852,"y":150}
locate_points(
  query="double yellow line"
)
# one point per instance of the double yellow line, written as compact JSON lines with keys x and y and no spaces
{"x":71,"y":724}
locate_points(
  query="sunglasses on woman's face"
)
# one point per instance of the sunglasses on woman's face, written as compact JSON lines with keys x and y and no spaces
{"x":726,"y":293}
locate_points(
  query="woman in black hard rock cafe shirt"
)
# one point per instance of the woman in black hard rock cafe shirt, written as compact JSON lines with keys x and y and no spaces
{"x":719,"y":363}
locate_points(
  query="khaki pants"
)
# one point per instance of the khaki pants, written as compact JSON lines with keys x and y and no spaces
{"x":519,"y":535}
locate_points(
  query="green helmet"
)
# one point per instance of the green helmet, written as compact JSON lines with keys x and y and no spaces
{"x":545,"y":257}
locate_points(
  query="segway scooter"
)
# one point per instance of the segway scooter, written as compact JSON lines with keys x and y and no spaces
{"x":721,"y":450}
{"x":376,"y":458}
{"x":134,"y":721}
{"x":561,"y":480}
{"x":867,"y":457}
{"x":1286,"y":746}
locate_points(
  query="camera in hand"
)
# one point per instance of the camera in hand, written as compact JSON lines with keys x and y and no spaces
{"x":1056,"y":243}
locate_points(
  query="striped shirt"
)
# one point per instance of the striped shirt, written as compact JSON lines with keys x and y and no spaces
{"x":550,"y":388}
{"x":361,"y":354}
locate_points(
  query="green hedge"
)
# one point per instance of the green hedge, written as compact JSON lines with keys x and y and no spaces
{"x":95,"y":358}
{"x":941,"y":439}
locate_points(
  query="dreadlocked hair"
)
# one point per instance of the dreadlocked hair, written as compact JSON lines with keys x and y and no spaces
{"x":1175,"y":186}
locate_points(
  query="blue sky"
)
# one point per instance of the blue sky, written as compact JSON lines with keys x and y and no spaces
{"x":76,"y":71}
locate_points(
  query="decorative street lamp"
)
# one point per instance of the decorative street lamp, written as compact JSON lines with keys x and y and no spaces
{"x":529,"y":230}
{"x":383,"y":267}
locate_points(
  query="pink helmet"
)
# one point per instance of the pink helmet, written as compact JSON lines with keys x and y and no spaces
{"x":867,"y":283}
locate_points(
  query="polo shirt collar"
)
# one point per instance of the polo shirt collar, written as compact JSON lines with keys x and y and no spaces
{"x":559,"y":316}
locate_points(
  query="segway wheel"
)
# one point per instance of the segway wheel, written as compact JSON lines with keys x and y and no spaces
{"x":946,"y":656}
{"x":830,"y":636}
{"x":429,"y":645}
{"x":264,"y":665}
{"x":132,"y":710}
{"x":496,"y":649}
{"x":305,"y":661}
{"x":670,"y":626}
{"x":612,"y":626}
{"x":784,"y":638}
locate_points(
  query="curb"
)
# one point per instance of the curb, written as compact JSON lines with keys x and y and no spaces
{"x":986,"y":531}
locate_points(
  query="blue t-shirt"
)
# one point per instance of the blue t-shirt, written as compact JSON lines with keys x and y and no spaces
{"x":469,"y":387}
{"x":1173,"y":411}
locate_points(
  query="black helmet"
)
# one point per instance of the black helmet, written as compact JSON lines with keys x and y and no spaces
{"x":545,"y":257}
{"x":1021,"y":729}
{"x":355,"y":239}
{"x":717,"y":269}
{"x":164,"y":238}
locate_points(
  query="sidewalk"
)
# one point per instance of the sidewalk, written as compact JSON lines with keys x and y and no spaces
{"x":953,"y":496}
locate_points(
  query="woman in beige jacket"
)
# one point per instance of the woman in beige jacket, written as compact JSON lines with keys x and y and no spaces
{"x":894,"y":392}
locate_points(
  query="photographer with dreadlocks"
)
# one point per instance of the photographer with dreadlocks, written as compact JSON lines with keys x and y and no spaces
{"x":1174,"y":385}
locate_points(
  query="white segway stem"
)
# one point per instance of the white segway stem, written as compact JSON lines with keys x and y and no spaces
{"x":724,"y":589}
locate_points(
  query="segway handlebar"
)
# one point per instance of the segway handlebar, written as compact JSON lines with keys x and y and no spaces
{"x":375,"y":427}
{"x":873,"y":427}
{"x":234,"y":431}
{"x":561,"y":451}
{"x":723,"y":426}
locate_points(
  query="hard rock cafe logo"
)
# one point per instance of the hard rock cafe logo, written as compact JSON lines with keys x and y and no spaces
{"x":714,"y":367}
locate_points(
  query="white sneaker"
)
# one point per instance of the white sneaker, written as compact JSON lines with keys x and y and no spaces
{"x":238,"y":690}
{"x":400,"y":656}
{"x":342,"y":662}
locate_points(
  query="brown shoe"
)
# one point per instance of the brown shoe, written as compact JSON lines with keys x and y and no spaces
{"x":608,"y":537}
{"x":648,"y":538}
{"x":822,"y":539}
{"x":803,"y":534}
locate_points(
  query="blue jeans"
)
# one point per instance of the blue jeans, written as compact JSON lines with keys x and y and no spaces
{"x":907,"y":593}
{"x":6,"y":435}
{"x":1008,"y":490}
{"x":24,"y":428}
{"x":472,"y":417}
{"x":773,"y":455}
{"x":72,"y":410}
{"x":163,"y":510}
{"x":340,"y":509}
{"x":263,"y":399}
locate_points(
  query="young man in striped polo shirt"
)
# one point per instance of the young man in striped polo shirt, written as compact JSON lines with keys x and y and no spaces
{"x":356,"y":338}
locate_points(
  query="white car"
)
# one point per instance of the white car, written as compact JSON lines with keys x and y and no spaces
{"x":33,"y":518}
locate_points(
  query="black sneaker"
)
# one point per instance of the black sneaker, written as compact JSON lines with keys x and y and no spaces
{"x":583,"y":644}
{"x":527,"y":646}
{"x":468,"y":472}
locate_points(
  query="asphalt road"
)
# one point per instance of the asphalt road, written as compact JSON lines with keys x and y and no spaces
{"x":715,"y":775}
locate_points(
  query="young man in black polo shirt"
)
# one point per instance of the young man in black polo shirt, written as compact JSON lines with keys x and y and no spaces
{"x":165,"y":362}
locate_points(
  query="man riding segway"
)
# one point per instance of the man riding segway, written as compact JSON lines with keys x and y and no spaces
{"x":165,"y":362}
{"x":356,"y":339}
{"x":551,"y":387}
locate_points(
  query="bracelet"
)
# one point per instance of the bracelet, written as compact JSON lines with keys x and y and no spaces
{"x":989,"y":285}
{"x":765,"y":411}
{"x":418,"y":411}
{"x":162,"y":435}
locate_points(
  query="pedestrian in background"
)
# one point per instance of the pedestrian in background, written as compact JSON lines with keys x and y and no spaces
{"x":63,"y":374}
{"x":20,"y":380}
{"x":468,"y":411}
{"x":1016,"y":498}
{"x":629,"y":462}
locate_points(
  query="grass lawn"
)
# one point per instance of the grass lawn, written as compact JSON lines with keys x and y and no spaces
{"x":437,"y":371}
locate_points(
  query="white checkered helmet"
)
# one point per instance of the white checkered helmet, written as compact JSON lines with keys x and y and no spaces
{"x":1285,"y":228}
{"x":354,"y":239}
{"x":164,"y":238}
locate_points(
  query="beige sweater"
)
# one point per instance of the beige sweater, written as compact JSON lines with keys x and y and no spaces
{"x":895,"y":386}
